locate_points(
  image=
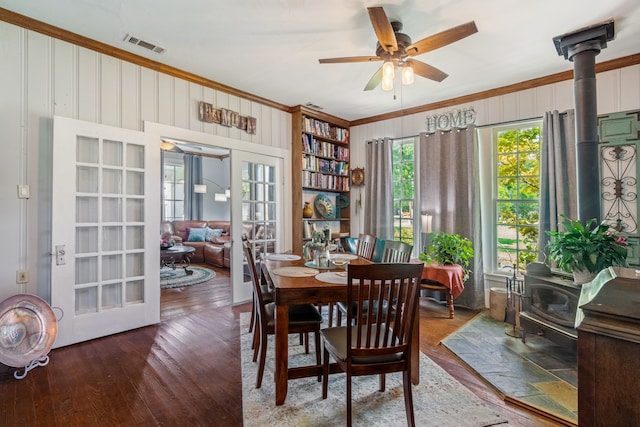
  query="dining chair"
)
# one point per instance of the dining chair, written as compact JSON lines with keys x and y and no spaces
{"x":396,"y":251}
{"x":381,"y":342}
{"x":267,"y":296}
{"x":303,"y":318}
{"x":366,"y":246}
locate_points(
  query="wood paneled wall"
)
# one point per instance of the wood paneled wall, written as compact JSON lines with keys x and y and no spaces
{"x":41,"y":77}
{"x":617,"y":90}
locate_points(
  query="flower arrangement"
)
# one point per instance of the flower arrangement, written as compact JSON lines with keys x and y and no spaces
{"x":587,"y":247}
{"x":319,"y":243}
{"x":166,"y":243}
{"x":447,"y":248}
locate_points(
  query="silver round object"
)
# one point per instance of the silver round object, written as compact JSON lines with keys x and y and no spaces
{"x":28,"y":329}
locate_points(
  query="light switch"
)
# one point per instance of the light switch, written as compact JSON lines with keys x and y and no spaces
{"x":23,"y":191}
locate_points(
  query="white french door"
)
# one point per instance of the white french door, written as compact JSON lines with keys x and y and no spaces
{"x":106,"y":210}
{"x":257,"y":182}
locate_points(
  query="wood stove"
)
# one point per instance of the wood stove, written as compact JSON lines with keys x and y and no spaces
{"x":549,"y":306}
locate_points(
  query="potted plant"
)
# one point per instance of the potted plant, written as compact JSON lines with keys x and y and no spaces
{"x":447,"y":248}
{"x":586,"y":249}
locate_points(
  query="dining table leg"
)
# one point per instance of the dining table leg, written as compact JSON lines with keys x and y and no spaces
{"x":282,"y":353}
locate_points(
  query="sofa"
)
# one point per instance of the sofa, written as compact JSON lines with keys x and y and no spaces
{"x":211,"y":239}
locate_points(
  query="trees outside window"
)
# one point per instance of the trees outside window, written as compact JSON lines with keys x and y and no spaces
{"x":403,"y":189}
{"x":517,"y":194}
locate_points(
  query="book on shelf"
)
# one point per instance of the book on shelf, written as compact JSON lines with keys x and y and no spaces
{"x":311,"y":145}
{"x":316,"y":164}
{"x":322,"y":181}
{"x":324,"y":129}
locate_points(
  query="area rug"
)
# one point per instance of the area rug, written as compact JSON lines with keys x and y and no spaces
{"x":170,"y":278}
{"x":439,"y":400}
{"x":538,"y":374}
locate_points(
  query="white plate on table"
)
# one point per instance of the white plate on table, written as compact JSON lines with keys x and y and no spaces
{"x":337,"y":277}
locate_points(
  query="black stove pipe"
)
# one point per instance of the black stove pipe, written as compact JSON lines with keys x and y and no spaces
{"x":581,"y":47}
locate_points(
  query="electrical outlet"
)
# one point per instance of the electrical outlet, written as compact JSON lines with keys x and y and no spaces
{"x":22,"y":276}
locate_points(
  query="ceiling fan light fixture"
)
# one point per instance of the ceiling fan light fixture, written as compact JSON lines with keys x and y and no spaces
{"x":388,"y":69}
{"x":407,"y":74}
{"x":387,"y":83}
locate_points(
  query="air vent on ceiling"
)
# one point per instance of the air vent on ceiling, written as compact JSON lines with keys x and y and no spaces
{"x":313,"y":106}
{"x":135,"y":40}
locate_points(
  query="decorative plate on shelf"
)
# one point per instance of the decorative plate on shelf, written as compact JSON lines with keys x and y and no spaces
{"x":324,"y":206}
{"x":357,"y":176}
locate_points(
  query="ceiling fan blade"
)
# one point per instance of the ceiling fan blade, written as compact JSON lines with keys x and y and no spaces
{"x":384,"y":31}
{"x":443,"y":38}
{"x":427,"y":71}
{"x":349,"y":59}
{"x":375,"y":80}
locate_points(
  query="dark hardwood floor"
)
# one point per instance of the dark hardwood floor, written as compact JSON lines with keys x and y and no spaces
{"x":183,"y":371}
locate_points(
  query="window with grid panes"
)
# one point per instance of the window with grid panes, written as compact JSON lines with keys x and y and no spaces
{"x":173,"y":191}
{"x":403,"y":189}
{"x":517,"y":193}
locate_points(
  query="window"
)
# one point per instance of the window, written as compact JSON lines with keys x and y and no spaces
{"x":403,"y":189}
{"x":517,"y":193}
{"x":173,"y":191}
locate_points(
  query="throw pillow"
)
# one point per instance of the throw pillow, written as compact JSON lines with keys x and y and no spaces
{"x":197,"y":235}
{"x":212,"y":233}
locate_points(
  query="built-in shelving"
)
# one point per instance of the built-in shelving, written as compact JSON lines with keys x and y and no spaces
{"x":320,"y":149}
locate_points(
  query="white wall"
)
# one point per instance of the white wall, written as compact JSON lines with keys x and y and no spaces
{"x":41,"y":77}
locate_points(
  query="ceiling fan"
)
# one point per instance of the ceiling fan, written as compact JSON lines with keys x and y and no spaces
{"x":396,"y":49}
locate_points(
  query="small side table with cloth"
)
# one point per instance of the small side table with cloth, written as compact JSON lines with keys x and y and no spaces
{"x":447,"y":278}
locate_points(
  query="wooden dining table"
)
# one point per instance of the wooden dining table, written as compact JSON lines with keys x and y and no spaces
{"x":309,"y":290}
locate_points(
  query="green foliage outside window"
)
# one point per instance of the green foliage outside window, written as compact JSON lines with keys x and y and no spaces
{"x":403,"y":170}
{"x":517,"y":195}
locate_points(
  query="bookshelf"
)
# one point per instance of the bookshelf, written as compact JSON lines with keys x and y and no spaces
{"x":320,"y":151}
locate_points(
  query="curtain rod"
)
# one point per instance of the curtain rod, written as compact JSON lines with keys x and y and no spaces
{"x":482,"y":126}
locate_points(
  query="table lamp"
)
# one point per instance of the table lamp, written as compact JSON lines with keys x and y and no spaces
{"x":426,"y":231}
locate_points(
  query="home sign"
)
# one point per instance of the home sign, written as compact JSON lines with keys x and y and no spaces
{"x":225,"y":117}
{"x":450,"y":119}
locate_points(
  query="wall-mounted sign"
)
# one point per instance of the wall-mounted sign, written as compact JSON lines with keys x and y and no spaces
{"x":228,"y":118}
{"x":450,"y":119}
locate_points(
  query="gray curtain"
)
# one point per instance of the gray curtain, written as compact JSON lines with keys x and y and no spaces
{"x":558,"y":182}
{"x":378,"y":209}
{"x":193,"y":203}
{"x":449,"y":191}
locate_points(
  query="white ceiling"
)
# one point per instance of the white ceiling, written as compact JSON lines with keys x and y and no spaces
{"x":270,"y":48}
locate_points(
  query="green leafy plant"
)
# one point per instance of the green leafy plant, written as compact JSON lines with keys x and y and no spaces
{"x":447,"y":248}
{"x":587,"y":247}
